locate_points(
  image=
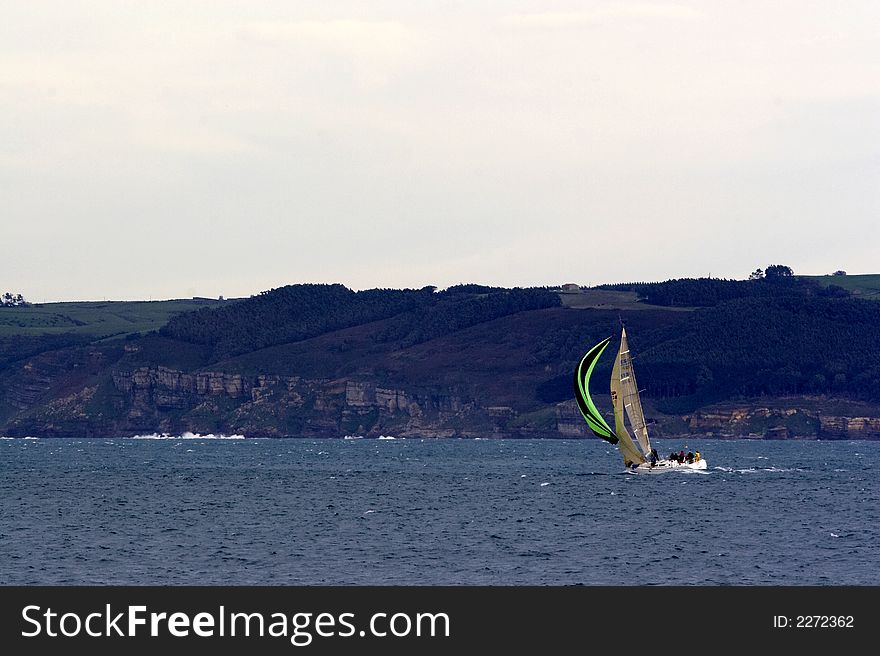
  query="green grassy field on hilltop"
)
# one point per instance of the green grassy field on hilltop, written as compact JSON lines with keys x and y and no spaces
{"x":94,"y":319}
{"x":609,"y":299}
{"x":862,"y":285}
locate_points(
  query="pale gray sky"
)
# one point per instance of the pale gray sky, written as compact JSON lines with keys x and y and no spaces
{"x":171,"y":149}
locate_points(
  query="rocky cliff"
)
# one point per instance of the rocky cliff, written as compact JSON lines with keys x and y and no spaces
{"x":52,"y":399}
{"x":76,"y":394}
{"x":849,"y":428}
{"x":794,"y":418}
{"x":98,"y":392}
{"x":798,"y":418}
{"x":279,"y":406}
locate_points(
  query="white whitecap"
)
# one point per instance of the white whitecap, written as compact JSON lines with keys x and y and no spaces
{"x":210,"y":436}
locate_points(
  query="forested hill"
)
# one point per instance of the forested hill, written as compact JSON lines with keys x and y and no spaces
{"x":298,"y":312}
{"x":449,"y":358}
{"x":749,"y":338}
{"x":770,"y":346}
{"x":707,"y":292}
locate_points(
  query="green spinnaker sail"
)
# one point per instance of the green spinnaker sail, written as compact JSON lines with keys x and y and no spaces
{"x":582,"y":393}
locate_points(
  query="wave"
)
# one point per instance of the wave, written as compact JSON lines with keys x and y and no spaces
{"x":186,"y":436}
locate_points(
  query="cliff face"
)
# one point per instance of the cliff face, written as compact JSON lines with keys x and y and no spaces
{"x":787,"y":419}
{"x":569,"y":422}
{"x":754,"y":422}
{"x":50,"y":401}
{"x":52,"y":393}
{"x":280,"y":405}
{"x":92,"y":393}
{"x":850,"y":428}
{"x":795,"y":420}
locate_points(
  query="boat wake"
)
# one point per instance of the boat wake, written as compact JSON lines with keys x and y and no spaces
{"x":658,"y":470}
{"x":758,"y":470}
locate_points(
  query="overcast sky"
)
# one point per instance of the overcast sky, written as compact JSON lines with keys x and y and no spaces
{"x":172,"y":149}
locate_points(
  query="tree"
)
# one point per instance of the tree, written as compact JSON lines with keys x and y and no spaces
{"x":12,"y":300}
{"x":778,"y":271}
{"x":839,"y":272}
{"x":757,"y":274}
{"x":704,"y":377}
{"x":818,"y":383}
{"x":833,"y":291}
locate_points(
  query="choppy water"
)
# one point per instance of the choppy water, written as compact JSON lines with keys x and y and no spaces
{"x":193,"y":511}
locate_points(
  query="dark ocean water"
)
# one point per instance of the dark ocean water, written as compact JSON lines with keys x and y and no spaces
{"x":199,"y":511}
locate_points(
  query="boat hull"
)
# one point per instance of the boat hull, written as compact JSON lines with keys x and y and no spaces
{"x":664,"y":466}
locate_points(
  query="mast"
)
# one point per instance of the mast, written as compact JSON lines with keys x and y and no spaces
{"x":625,"y":378}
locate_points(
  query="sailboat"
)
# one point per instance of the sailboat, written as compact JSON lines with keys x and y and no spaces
{"x":638,"y":455}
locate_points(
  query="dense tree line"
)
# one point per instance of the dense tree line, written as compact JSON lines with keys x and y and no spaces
{"x":773,"y":346}
{"x":453,"y":313}
{"x":471,"y":288}
{"x":707,"y":292}
{"x":298,"y":312}
{"x":763,"y":345}
{"x":289,"y":314}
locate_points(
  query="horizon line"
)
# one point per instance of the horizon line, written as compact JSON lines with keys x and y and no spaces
{"x":224,"y":298}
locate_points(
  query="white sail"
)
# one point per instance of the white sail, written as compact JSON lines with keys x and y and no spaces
{"x":628,"y":449}
{"x":625,"y":378}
